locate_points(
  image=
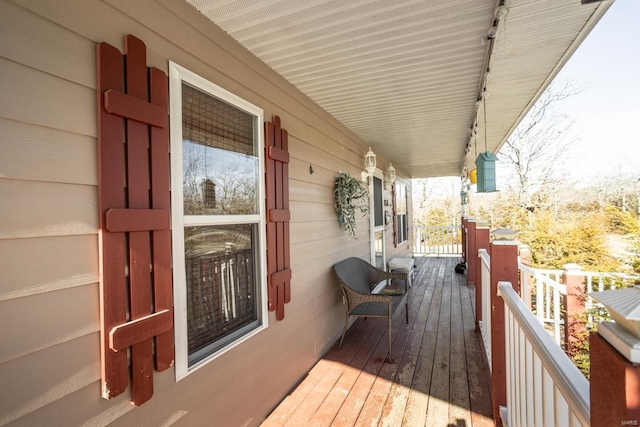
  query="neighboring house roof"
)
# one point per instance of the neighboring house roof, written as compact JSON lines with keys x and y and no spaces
{"x":405,"y":76}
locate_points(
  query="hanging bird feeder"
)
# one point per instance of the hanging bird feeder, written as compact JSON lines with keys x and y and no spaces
{"x":486,"y":172}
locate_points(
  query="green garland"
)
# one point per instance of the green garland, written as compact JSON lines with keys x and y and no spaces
{"x":350,"y":196}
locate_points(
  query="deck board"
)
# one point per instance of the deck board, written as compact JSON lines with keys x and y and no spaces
{"x":438,"y":376}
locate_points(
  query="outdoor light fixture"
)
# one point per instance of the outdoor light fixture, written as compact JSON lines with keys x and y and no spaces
{"x":391,"y":174}
{"x":369,"y":165}
{"x":370,"y":162}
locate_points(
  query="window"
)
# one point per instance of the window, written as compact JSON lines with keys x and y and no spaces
{"x":400,"y":202}
{"x":378,"y":209}
{"x":217,"y":219}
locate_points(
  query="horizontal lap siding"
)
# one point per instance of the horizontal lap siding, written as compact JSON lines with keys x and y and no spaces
{"x":50,"y":363}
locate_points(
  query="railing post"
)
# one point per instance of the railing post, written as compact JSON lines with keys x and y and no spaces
{"x":504,"y":267}
{"x":615,"y":380}
{"x":473,"y":252}
{"x":525,"y":280}
{"x":574,"y":328}
{"x":482,"y":242}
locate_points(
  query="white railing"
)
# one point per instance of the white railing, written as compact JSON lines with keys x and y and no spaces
{"x":547,"y":300}
{"x":485,"y":324}
{"x":544,"y":387}
{"x":598,"y":282}
{"x":437,"y":240}
{"x":547,"y":292}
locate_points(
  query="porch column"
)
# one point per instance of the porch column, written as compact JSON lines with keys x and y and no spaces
{"x":464,"y":238}
{"x":504,"y":267}
{"x":615,"y":378}
{"x":575,"y":329}
{"x":473,"y":252}
{"x":482,"y":242}
{"x":525,"y":280}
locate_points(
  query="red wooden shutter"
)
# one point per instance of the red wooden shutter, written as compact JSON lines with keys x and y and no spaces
{"x":278,"y":216}
{"x":394,"y":214}
{"x":134,"y":205}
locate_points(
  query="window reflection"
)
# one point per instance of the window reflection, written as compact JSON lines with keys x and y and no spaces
{"x":217,"y":181}
{"x":220,"y":272}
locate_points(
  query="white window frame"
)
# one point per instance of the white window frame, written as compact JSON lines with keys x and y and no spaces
{"x":178,"y":75}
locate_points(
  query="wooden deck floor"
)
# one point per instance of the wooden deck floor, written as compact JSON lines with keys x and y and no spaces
{"x":438,"y":376}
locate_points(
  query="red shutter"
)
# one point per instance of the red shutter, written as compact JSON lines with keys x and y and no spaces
{"x":133,"y":201}
{"x":278,"y":216}
{"x":394,"y":214}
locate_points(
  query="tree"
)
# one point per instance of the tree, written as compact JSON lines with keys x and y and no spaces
{"x":534,"y":153}
{"x":436,"y":201}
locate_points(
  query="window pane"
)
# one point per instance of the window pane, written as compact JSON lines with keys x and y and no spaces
{"x":401,"y":199}
{"x":403,"y":228}
{"x":378,"y":219}
{"x":379,"y":246}
{"x":219,"y":156}
{"x":222,"y":298}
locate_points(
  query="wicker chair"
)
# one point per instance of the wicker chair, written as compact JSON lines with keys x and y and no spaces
{"x":357,"y":279}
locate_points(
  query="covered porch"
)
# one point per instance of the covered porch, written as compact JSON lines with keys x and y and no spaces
{"x":439,"y":376}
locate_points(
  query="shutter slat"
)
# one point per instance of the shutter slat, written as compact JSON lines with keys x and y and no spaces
{"x":285,"y":206}
{"x":111,"y":156}
{"x":161,"y":199}
{"x":139,"y":242}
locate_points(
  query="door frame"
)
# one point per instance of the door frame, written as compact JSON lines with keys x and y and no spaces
{"x":372,"y":227}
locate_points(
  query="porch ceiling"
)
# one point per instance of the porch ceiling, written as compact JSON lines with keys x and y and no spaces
{"x":405,"y":75}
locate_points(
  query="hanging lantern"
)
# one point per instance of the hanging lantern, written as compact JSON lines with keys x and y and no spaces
{"x":473,"y":176}
{"x":463,"y":198}
{"x":486,"y":172}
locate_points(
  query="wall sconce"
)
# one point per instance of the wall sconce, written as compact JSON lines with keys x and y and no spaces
{"x":369,"y":165}
{"x":370,"y":162}
{"x":391,"y":174}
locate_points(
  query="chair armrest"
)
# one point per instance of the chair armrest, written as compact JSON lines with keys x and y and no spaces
{"x":355,"y":298}
{"x":396,"y":275}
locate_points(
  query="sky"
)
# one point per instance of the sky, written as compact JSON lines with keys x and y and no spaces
{"x":607,"y":112}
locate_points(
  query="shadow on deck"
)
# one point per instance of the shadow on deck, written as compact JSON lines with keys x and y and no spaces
{"x":438,"y":376}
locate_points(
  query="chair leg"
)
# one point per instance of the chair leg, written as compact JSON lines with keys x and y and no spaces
{"x":406,"y":307}
{"x":390,"y":360}
{"x":390,"y":316}
{"x":344,"y":331}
